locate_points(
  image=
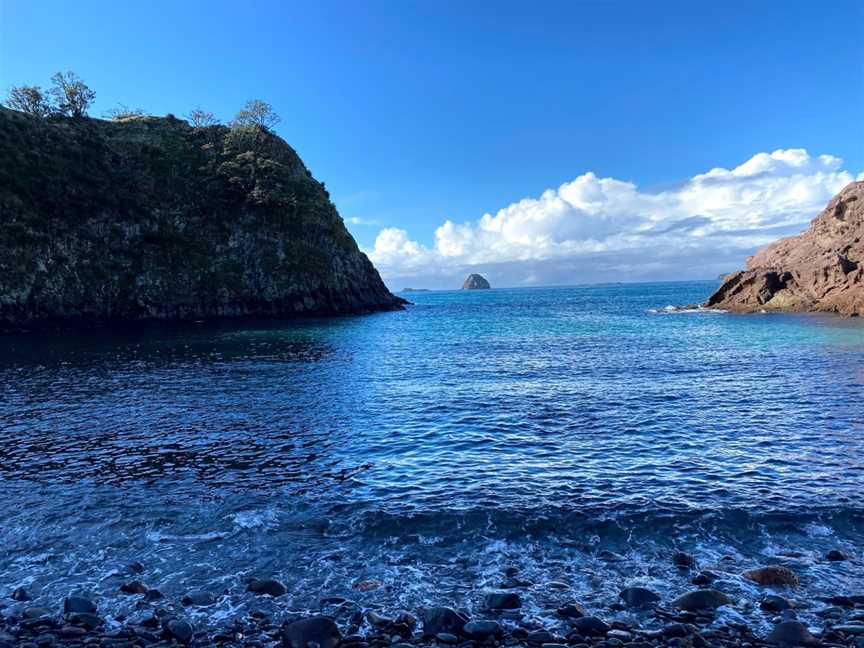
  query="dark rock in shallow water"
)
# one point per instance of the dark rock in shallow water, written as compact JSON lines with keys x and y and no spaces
{"x":704,"y":577}
{"x":772,"y":575}
{"x":180,"y":631}
{"x":773,"y":603}
{"x":791,"y":633}
{"x":377,"y":620}
{"x":72,"y":632}
{"x":153,"y":595}
{"x":503,"y":601}
{"x":267,"y":587}
{"x":836,"y":555}
{"x":541,"y":637}
{"x":703,"y":599}
{"x":590,"y":626}
{"x":198,"y":599}
{"x":675,"y":630}
{"x":442,"y":619}
{"x":20,"y":594}
{"x":318,"y":630}
{"x":134,"y":587}
{"x":136,"y":567}
{"x":638,"y":597}
{"x":481,"y":629}
{"x":683,"y":560}
{"x":842,"y":601}
{"x":85,"y":619}
{"x":79,"y":605}
{"x":572,"y":611}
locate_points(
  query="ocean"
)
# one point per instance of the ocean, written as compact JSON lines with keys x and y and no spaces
{"x":561,"y":442}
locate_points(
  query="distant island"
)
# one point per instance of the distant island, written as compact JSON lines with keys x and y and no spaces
{"x":145,"y":217}
{"x":821,"y":269}
{"x":475,"y":282}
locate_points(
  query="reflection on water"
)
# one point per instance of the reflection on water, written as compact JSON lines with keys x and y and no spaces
{"x":431,"y":449}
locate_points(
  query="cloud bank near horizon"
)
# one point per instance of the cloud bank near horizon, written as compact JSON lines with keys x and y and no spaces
{"x":604,"y":229}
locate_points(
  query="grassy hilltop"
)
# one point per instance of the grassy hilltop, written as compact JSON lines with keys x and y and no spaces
{"x":149,"y":217}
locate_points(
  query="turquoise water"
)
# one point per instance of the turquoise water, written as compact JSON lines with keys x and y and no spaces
{"x":431,"y":449}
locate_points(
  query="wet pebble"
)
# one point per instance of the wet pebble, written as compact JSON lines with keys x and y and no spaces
{"x":78,"y":604}
{"x":20,"y":594}
{"x":268,"y":587}
{"x":320,"y":630}
{"x":639,"y":597}
{"x":774,"y":603}
{"x":703,"y":599}
{"x":683,"y":560}
{"x":134,"y":587}
{"x":503,"y":601}
{"x":482,"y":629}
{"x":442,"y":619}
{"x":198,"y":599}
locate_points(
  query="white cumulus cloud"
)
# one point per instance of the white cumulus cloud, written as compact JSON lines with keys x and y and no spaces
{"x":604,"y":229}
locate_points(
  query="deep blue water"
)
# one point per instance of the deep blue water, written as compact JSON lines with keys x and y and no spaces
{"x":430,"y":449}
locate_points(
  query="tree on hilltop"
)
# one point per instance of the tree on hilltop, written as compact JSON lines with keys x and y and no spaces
{"x":200,"y":118}
{"x":28,"y":99}
{"x":256,"y":113}
{"x":72,"y":96}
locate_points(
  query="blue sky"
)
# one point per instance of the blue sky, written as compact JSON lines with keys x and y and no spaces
{"x":420,"y":113}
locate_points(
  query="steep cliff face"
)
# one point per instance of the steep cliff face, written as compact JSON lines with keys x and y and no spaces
{"x":150,"y":218}
{"x":821,"y":269}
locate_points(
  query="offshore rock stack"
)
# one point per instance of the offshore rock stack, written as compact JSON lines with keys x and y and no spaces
{"x":475,"y":282}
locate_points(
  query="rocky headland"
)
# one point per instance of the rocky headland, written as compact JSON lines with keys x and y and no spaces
{"x":819,"y":270}
{"x":150,"y":218}
{"x":475,"y":282}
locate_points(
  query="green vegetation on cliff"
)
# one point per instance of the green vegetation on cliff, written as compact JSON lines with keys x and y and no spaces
{"x":148,"y":217}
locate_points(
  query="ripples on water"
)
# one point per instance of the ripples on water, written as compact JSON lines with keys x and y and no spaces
{"x":433,"y":448}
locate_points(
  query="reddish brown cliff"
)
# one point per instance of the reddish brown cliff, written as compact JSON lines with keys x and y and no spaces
{"x":821,"y":269}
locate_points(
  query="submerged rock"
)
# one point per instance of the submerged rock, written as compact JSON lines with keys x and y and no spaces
{"x":481,"y":629}
{"x":590,"y":626}
{"x":267,"y":587}
{"x":703,"y":599}
{"x":503,"y":601}
{"x":442,"y":619}
{"x":821,"y":269}
{"x":320,"y":631}
{"x":20,"y":594}
{"x":572,"y":611}
{"x":774,"y":603}
{"x":638,"y":597}
{"x":772,"y":575}
{"x":78,"y":605}
{"x":180,"y":631}
{"x":134,"y":587}
{"x":791,"y":633}
{"x":475,"y":282}
{"x":683,"y":560}
{"x":836,"y":555}
{"x":198,"y":599}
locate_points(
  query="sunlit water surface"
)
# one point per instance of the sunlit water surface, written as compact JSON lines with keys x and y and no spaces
{"x":431,"y":449}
